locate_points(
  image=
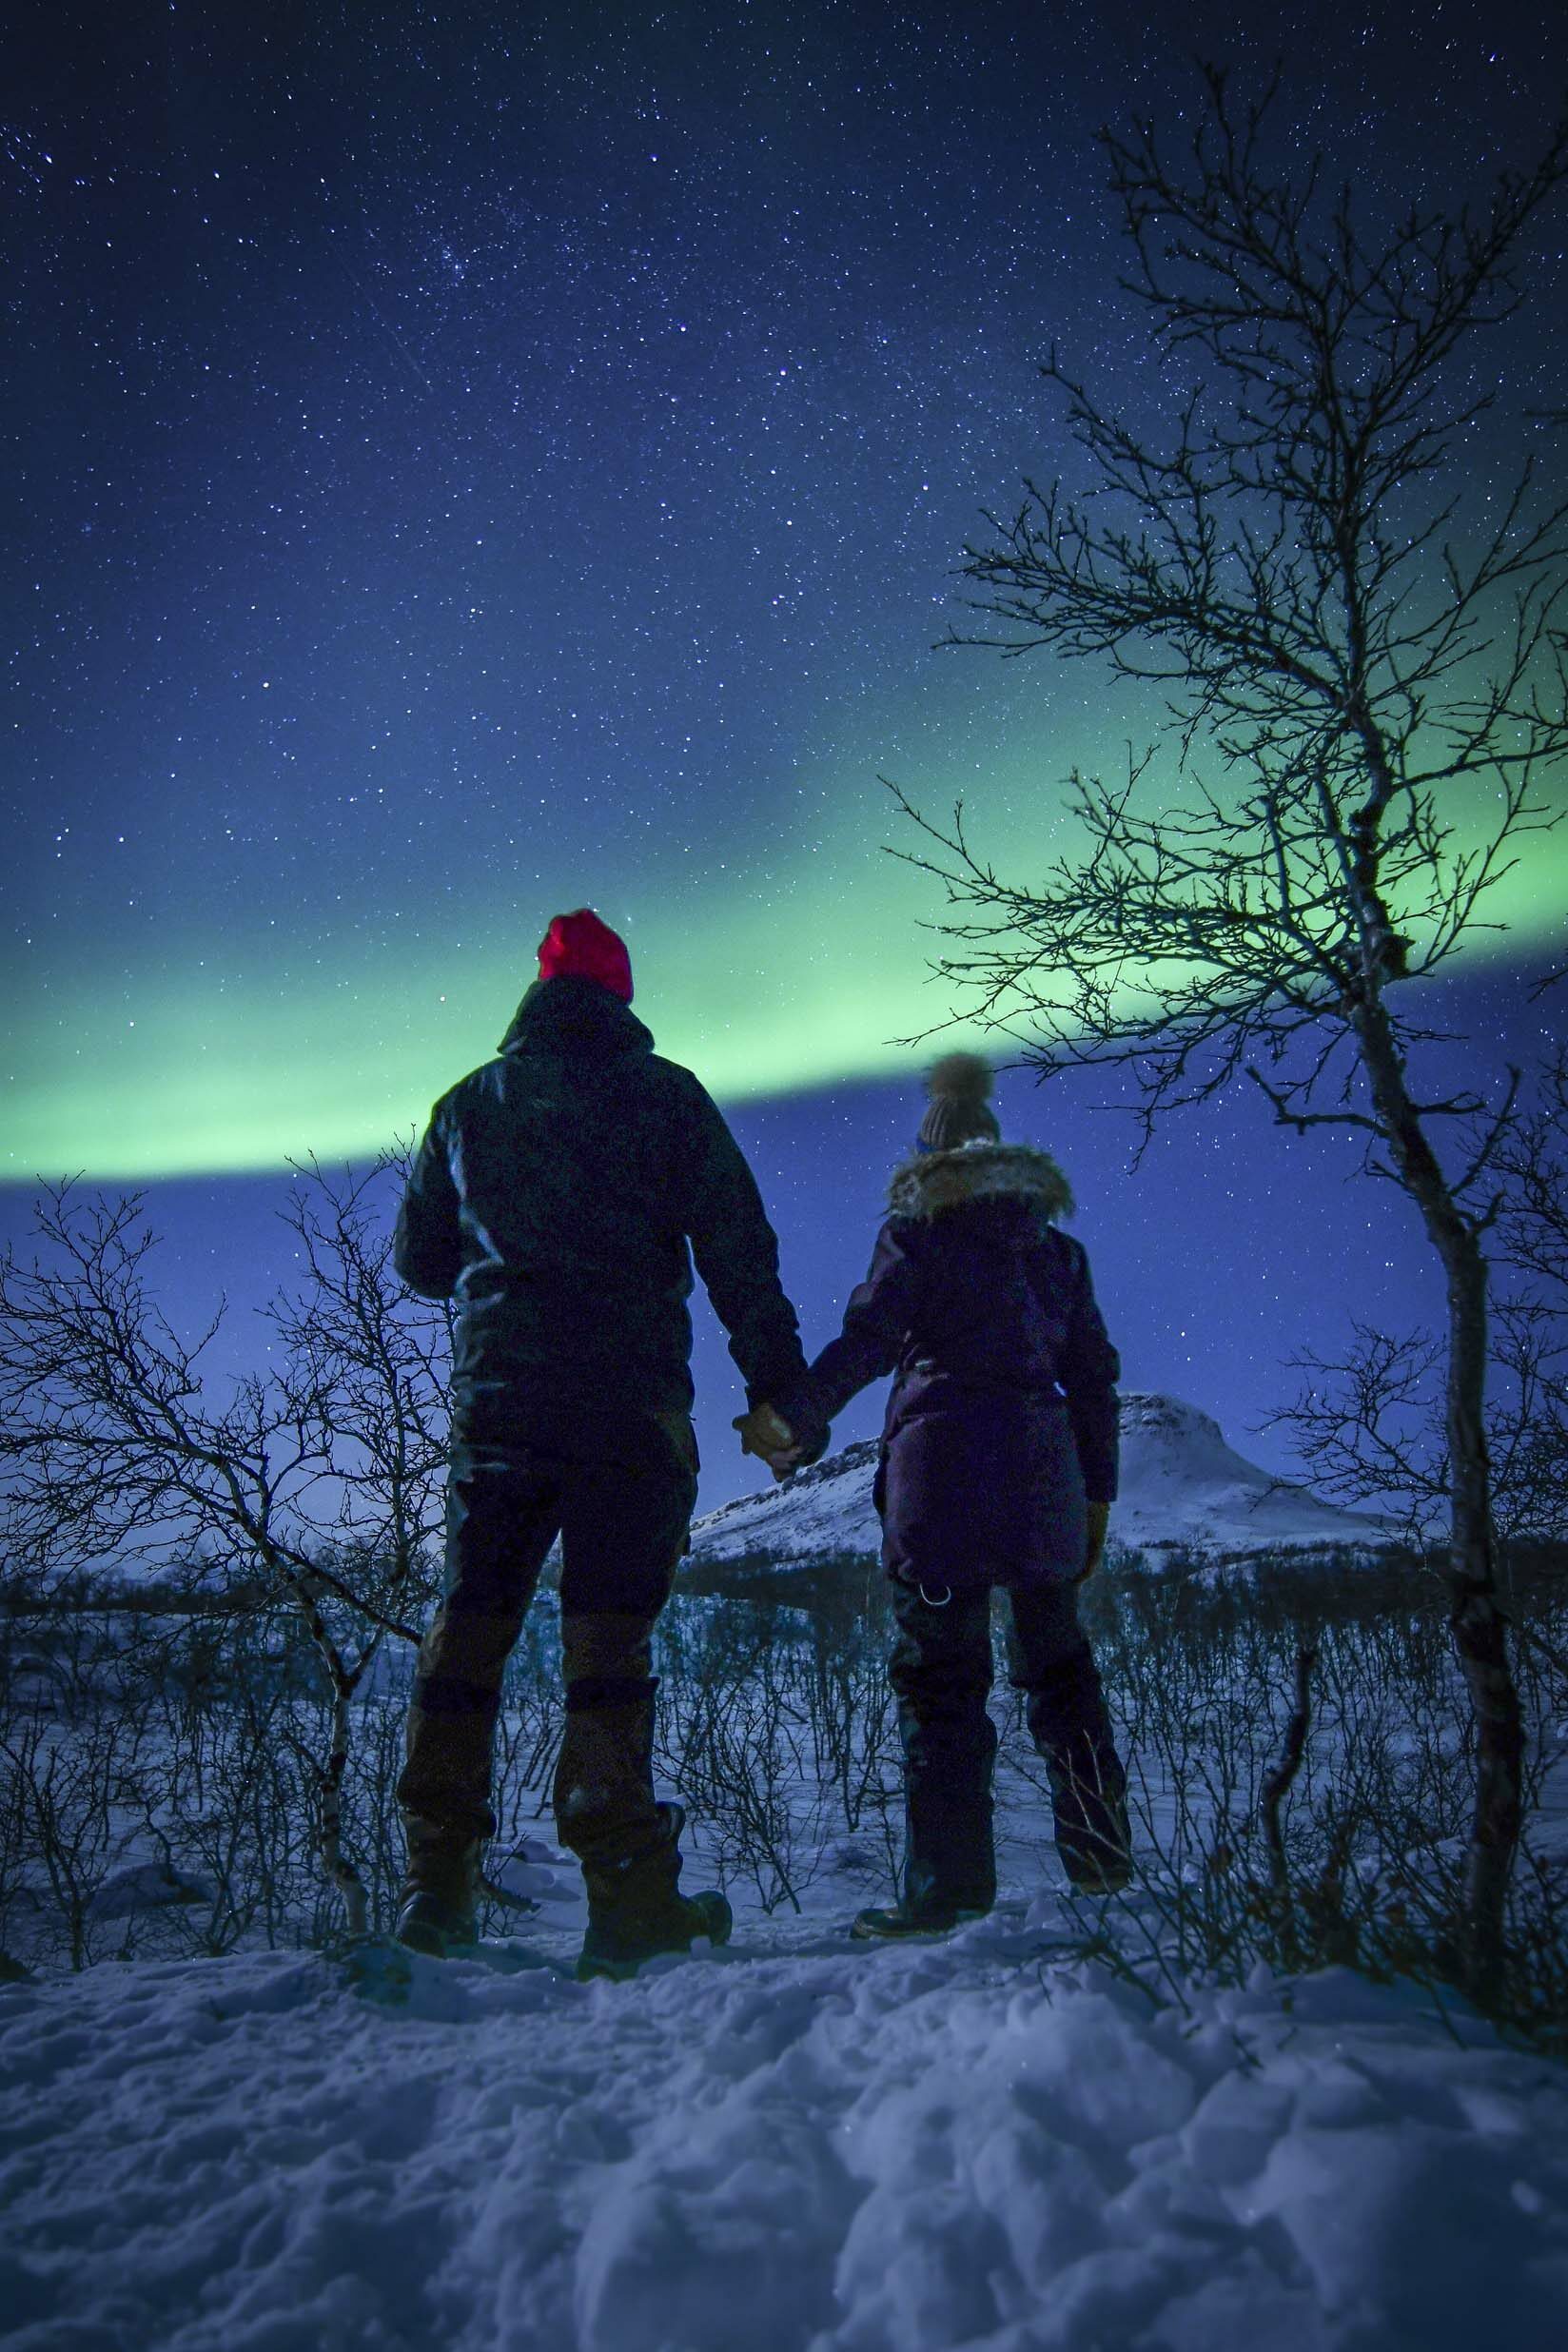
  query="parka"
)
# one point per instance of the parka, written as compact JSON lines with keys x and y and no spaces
{"x":1001,"y":1422}
{"x":560,"y":1198}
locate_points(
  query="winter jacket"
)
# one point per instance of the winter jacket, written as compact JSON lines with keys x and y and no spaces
{"x":1001,"y":1424}
{"x":559,"y":1198}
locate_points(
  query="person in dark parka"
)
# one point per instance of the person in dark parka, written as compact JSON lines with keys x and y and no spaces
{"x":559,"y":1199}
{"x":998,"y":1467}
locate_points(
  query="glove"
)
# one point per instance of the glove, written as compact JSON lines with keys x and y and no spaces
{"x":1099,"y":1519}
{"x":764,"y":1433}
{"x":800,"y":1406}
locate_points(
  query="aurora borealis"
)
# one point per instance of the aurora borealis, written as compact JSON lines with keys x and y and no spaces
{"x":474,"y":461}
{"x":482,"y":460}
{"x":487,"y":467}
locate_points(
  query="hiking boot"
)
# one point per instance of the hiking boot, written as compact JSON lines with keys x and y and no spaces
{"x":888,"y":1926}
{"x":429,"y":1923}
{"x":618,"y":1945}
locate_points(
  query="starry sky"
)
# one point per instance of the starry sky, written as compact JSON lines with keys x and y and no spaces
{"x":472,"y":460}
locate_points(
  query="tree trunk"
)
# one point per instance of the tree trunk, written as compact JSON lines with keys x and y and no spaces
{"x":1479,"y":1626}
{"x":1480,"y":1629}
{"x":340,"y":1868}
{"x":1275,"y":1789}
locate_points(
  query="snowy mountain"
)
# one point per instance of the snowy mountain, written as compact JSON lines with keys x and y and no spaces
{"x":1182,"y":1486}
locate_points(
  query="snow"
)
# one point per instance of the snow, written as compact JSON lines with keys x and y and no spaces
{"x":795,"y":2146}
{"x":1182,"y":1487}
{"x":987,"y":2144}
{"x":823,"y":1513}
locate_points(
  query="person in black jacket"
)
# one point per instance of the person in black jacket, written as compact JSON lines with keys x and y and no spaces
{"x":559,"y":1199}
{"x":998,"y":1467}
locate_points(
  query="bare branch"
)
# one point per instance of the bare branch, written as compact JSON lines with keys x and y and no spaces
{"x":1356,"y":660}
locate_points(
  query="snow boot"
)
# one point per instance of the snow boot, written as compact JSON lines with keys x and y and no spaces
{"x":617,"y":1948}
{"x":1065,"y":1708}
{"x":438,"y":1905}
{"x":606,"y":1813}
{"x":1095,"y":1880}
{"x":1094,"y":1836}
{"x":635,"y":1912}
{"x":426,"y":1923}
{"x":901,"y":1926}
{"x":1100,"y":1864}
{"x":941,"y":1670}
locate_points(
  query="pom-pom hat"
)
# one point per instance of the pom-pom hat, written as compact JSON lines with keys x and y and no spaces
{"x":580,"y":947}
{"x":960,"y":1112}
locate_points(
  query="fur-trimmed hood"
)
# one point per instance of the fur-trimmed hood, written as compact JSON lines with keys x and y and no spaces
{"x":934,"y":1181}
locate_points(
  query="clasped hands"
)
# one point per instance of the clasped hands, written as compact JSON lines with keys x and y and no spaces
{"x":768,"y":1436}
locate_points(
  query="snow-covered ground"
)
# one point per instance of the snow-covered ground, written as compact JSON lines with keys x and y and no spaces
{"x":1182,"y":1486}
{"x":991,"y":2143}
{"x":796,"y":2145}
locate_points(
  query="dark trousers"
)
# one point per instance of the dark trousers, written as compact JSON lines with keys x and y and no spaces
{"x":623,"y":1528}
{"x":941,"y":1672}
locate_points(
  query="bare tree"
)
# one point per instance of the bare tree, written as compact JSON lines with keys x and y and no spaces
{"x":1365,"y":689}
{"x":1370,"y":1422}
{"x":316,"y":1480}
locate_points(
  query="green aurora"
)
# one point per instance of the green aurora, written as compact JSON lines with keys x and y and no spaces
{"x":248,"y":1048}
{"x":441,"y":501}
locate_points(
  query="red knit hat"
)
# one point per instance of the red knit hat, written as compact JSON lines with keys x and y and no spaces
{"x":580,"y":947}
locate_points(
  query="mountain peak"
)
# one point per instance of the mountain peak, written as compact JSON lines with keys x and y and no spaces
{"x":1183,"y":1488}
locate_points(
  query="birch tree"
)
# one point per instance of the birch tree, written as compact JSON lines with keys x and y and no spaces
{"x":1362,"y":674}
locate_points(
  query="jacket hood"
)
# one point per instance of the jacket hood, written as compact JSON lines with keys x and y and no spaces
{"x":572,"y":1016}
{"x":934,"y":1181}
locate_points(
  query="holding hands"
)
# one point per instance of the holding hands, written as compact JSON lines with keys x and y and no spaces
{"x":768,"y":1436}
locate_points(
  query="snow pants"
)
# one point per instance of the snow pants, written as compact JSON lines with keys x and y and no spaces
{"x":622,"y":1527}
{"x":941,"y":1674}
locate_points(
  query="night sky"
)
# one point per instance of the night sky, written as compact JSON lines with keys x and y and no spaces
{"x":471,"y":461}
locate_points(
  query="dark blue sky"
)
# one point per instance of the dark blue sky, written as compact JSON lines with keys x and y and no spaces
{"x":476,"y":460}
